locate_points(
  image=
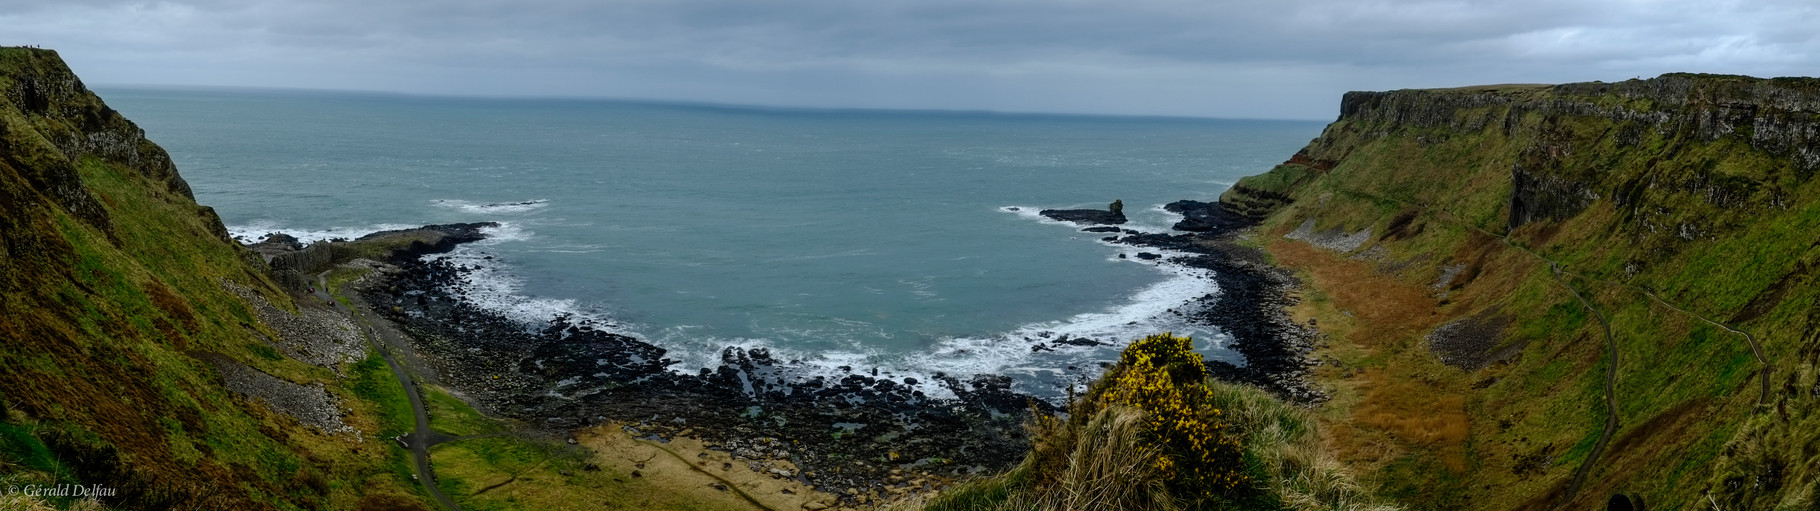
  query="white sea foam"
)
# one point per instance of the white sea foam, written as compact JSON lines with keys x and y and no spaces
{"x":1153,"y":219}
{"x":492,"y":207}
{"x":858,"y":252}
{"x":496,"y":286}
{"x":255,"y":231}
{"x":923,"y":288}
{"x":1154,"y":309}
{"x":1034,"y":214}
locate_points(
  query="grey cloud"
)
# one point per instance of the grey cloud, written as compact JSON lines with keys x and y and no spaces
{"x":1055,"y":55}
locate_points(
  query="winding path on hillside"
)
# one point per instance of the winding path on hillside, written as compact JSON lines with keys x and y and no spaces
{"x":1611,"y":388}
{"x":419,"y":440}
{"x":1755,"y":349}
{"x":1611,"y":372}
{"x":1749,"y":340}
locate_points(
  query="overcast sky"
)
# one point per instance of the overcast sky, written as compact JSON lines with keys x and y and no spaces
{"x":1212,"y":58}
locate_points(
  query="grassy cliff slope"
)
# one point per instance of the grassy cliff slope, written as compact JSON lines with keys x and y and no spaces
{"x":121,"y":327}
{"x":1554,"y":296}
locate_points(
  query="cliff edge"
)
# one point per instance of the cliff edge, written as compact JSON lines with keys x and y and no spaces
{"x":1565,"y":296}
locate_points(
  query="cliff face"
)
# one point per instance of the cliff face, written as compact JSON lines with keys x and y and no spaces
{"x":1627,"y":264}
{"x":1777,"y":116}
{"x":142,"y":349}
{"x":54,"y":122}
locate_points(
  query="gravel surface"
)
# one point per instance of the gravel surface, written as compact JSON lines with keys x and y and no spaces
{"x":310,"y":404}
{"x":1331,"y":239}
{"x":1472,"y":342}
{"x":316,"y":336}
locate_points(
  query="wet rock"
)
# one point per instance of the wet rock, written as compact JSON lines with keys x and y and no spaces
{"x":1078,"y":341}
{"x":1206,"y":217}
{"x":1085,"y":216}
{"x":276,"y":243}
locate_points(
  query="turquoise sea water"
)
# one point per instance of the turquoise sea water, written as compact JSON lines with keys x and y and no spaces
{"x":901,"y":240}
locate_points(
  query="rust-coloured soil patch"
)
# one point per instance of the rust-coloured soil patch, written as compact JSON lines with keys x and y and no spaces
{"x":1416,"y":414}
{"x":1403,"y":396}
{"x":1386,"y":310}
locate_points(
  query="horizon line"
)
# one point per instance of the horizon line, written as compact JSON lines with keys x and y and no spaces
{"x":681,"y":103}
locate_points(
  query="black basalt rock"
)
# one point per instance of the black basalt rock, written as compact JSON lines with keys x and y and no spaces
{"x":1206,"y":216}
{"x":1085,"y":216}
{"x":561,"y":375}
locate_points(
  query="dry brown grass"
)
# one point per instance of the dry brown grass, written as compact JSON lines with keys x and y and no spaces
{"x":1409,"y":412}
{"x":1310,"y":479}
{"x":1110,"y":468}
{"x":1383,"y":307}
{"x":1103,"y":464}
{"x":24,"y":503}
{"x":1400,"y":400}
{"x":171,"y":304}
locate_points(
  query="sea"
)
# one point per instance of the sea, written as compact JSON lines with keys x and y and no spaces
{"x":907,"y":241}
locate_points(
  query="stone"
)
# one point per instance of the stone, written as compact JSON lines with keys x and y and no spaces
{"x":1084,"y":216}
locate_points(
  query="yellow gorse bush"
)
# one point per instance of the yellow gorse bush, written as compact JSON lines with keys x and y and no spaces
{"x":1156,"y":434}
{"x":1162,"y":376}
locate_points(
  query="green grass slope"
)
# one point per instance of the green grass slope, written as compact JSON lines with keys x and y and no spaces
{"x":1621,"y":275}
{"x":111,"y":299}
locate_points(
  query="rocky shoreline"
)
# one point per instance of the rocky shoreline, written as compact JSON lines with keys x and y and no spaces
{"x":1252,"y":304}
{"x":865,"y":436}
{"x":854,"y":436}
{"x":1253,"y":300}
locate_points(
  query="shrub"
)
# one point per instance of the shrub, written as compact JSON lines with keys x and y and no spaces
{"x":1163,"y":378}
{"x":1153,"y":417}
{"x":1156,"y":434}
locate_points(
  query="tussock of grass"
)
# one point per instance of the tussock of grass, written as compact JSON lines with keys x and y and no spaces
{"x":1111,"y":466}
{"x":24,"y":503}
{"x":1285,"y":443}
